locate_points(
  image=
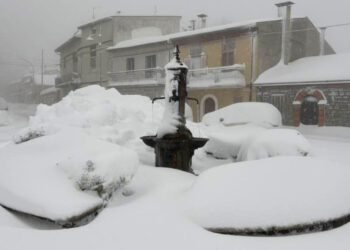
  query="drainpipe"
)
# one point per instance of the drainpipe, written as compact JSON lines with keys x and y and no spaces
{"x":322,"y":41}
{"x":284,"y":10}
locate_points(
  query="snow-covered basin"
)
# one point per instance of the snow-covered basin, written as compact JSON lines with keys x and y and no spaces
{"x":274,"y":192}
{"x":245,"y":112}
{"x":40,"y":177}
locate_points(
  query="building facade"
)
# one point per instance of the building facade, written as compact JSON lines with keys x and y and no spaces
{"x":84,"y":59}
{"x":223,"y":61}
{"x":309,"y":91}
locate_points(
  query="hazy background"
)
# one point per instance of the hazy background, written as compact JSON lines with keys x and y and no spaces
{"x":27,"y":26}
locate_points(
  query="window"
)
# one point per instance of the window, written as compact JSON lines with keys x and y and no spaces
{"x":196,"y":50}
{"x":64,"y":62}
{"x":151,"y":63}
{"x":278,"y":100}
{"x":75,"y":62}
{"x":228,"y":52}
{"x":93,"y":32}
{"x":130,"y":64}
{"x":93,"y":57}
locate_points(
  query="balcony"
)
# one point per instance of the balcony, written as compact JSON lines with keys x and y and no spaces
{"x":217,"y":76}
{"x":197,"y":78}
{"x":67,"y":79}
{"x":134,"y":77}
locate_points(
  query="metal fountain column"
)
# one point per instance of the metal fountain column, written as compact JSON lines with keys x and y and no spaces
{"x":176,"y":150}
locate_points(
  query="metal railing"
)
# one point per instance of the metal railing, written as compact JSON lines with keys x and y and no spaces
{"x":67,"y":78}
{"x":214,"y":74}
{"x":141,"y":75}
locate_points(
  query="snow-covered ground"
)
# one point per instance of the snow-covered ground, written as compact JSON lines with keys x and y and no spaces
{"x":17,"y":117}
{"x":167,"y":209}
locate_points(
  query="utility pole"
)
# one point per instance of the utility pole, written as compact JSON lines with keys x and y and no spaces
{"x":42,"y":69}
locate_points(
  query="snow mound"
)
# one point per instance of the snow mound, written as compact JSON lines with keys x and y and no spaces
{"x":45,"y":177}
{"x":263,"y":114}
{"x":100,"y":112}
{"x":275,"y":142}
{"x":275,"y":192}
{"x":104,"y":114}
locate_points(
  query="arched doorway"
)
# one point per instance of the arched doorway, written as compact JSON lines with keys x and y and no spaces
{"x":309,"y":112}
{"x":309,"y":107}
{"x":209,"y":103}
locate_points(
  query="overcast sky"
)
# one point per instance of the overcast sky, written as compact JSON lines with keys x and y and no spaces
{"x":27,"y":26}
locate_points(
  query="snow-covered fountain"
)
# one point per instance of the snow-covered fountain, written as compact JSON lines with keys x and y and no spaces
{"x":174,"y":144}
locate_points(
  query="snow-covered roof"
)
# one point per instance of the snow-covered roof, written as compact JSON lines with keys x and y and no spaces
{"x":140,"y":41}
{"x":156,"y":39}
{"x":316,"y":69}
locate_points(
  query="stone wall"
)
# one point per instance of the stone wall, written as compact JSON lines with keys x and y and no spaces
{"x":337,"y":106}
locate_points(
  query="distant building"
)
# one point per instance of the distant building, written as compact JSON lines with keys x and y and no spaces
{"x":29,"y":87}
{"x":310,"y":91}
{"x":83,"y":58}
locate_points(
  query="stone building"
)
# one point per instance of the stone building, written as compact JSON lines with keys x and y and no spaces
{"x":83,"y":57}
{"x":310,"y":91}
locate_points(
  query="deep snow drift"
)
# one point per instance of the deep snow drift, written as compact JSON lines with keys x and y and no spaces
{"x":93,"y":135}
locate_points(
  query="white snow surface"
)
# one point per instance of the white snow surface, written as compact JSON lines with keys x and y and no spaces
{"x":281,"y":191}
{"x":309,"y":69}
{"x":41,"y":176}
{"x":154,"y":211}
{"x":259,"y":113}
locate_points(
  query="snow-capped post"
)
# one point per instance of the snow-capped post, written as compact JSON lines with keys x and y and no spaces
{"x":174,"y":144}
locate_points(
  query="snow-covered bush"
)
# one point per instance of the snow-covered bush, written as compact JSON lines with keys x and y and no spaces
{"x":263,"y":114}
{"x":45,"y":177}
{"x":104,"y":173}
{"x":275,"y":142}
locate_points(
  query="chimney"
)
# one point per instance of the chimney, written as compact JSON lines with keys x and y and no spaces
{"x":284,"y":11}
{"x":203,"y":20}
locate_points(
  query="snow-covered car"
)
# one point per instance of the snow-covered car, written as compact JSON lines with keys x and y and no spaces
{"x":249,"y":131}
{"x":242,"y":113}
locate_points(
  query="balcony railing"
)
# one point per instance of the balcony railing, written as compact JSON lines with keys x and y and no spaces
{"x":154,"y":75}
{"x":67,"y":78}
{"x":157,"y":75}
{"x":216,"y":74}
